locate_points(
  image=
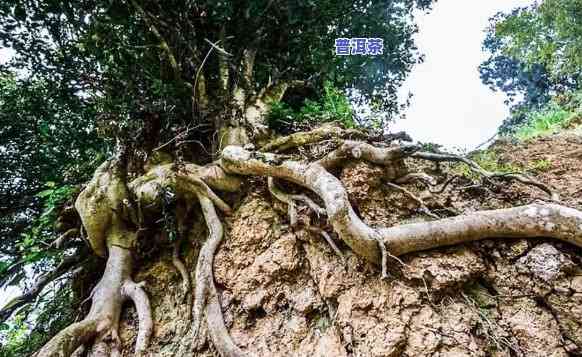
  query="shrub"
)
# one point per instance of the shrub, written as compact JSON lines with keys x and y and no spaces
{"x":332,"y":106}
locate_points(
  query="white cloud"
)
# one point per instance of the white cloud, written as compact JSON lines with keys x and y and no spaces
{"x":451,"y":106}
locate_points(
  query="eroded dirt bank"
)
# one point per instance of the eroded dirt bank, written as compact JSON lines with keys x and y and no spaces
{"x":286,"y":293}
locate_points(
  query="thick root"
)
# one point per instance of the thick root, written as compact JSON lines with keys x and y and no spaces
{"x":545,"y":220}
{"x":107,"y":219}
{"x":136,"y":293}
{"x":324,"y":132}
{"x":68,"y":340}
{"x":104,"y":314}
{"x":207,"y":301}
{"x":362,"y":151}
{"x":102,"y":323}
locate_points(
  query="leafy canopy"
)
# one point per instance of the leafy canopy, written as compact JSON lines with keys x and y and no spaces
{"x":535,"y":53}
{"x":131,"y":55}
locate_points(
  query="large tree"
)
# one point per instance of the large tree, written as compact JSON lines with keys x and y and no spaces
{"x":176,"y":95}
{"x":534,"y":54}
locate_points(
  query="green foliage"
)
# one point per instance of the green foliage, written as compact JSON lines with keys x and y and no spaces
{"x":547,"y":33}
{"x":490,"y":161}
{"x":430,"y":147}
{"x":48,"y":144}
{"x":40,"y":235}
{"x":136,"y":55}
{"x":535,"y":54}
{"x":540,"y":165}
{"x":543,"y":122}
{"x":560,"y":113}
{"x":33,"y":326}
{"x":332,"y":106}
{"x":14,"y":335}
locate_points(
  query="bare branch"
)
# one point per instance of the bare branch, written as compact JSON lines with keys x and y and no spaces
{"x":67,"y":265}
{"x":163,"y":43}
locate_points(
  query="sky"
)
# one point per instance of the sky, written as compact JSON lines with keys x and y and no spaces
{"x":450,"y":105}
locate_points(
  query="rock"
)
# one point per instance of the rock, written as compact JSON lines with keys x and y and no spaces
{"x":305,"y":300}
{"x":544,"y":262}
{"x":444,"y":269}
{"x":535,"y":329}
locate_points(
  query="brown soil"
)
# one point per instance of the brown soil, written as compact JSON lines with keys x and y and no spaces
{"x":285,"y":293}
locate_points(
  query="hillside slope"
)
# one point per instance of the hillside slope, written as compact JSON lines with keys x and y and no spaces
{"x":285,"y":293}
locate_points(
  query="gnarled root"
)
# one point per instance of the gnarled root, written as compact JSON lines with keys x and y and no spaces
{"x":292,"y":212}
{"x":191,"y":181}
{"x":136,"y":293}
{"x":537,"y":220}
{"x":324,"y":132}
{"x":207,"y":301}
{"x":181,"y":268}
{"x":101,"y":324}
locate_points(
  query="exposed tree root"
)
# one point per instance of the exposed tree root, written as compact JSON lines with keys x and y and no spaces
{"x":290,"y":199}
{"x":444,"y":185}
{"x":423,"y":208}
{"x":102,"y":322}
{"x":363,"y":151}
{"x":292,"y":212}
{"x":547,"y":220}
{"x":324,"y":132}
{"x":285,"y":198}
{"x":384,"y":257}
{"x":207,"y":301}
{"x":141,"y":301}
{"x":181,"y":268}
{"x":328,"y":239}
{"x":101,"y":325}
{"x":417,"y":176}
{"x":107,"y":218}
{"x":473,"y":166}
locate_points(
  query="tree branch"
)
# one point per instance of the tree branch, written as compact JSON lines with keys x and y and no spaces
{"x":67,"y":265}
{"x":163,"y":43}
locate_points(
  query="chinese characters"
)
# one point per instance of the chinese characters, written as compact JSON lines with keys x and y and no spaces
{"x":359,"y":46}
